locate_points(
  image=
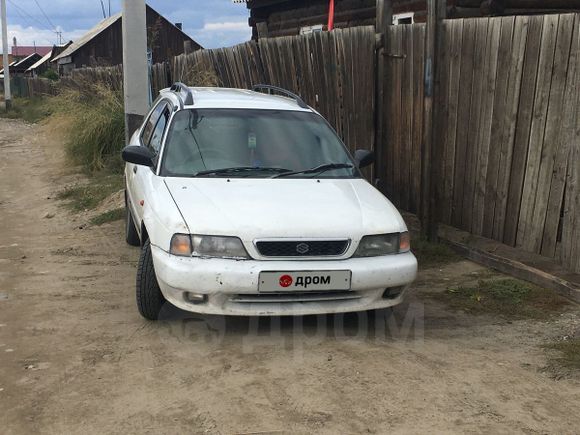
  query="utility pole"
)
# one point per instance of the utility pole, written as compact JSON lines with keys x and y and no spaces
{"x":430,"y":154}
{"x":7,"y":95}
{"x":135,"y":77}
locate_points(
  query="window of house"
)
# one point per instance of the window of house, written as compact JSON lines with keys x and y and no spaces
{"x":405,"y":18}
{"x":306,"y":30}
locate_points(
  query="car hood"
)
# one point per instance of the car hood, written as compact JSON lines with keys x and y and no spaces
{"x":271,"y":208}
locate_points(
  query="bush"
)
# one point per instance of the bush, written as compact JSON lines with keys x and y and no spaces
{"x":50,"y":74}
{"x":96,"y":131}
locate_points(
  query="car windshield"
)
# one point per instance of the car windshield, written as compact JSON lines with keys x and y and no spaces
{"x":253,"y":143}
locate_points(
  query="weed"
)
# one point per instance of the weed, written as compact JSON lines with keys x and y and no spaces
{"x":505,"y":297}
{"x":88,"y":196}
{"x":109,"y":216}
{"x":50,"y":74}
{"x":432,"y":254}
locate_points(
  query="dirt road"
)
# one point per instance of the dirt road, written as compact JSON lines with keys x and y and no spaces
{"x":75,"y":357}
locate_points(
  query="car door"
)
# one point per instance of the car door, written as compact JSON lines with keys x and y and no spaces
{"x":152,"y":138}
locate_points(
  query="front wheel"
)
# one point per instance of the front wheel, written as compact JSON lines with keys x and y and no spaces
{"x":150,"y":300}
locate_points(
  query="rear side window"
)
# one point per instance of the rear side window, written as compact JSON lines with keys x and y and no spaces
{"x":157,"y":135}
{"x":152,"y":122}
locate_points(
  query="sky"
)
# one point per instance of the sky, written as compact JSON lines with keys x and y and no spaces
{"x":212,"y":23}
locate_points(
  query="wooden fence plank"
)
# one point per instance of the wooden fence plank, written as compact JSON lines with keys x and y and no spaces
{"x":507,"y":139}
{"x":397,"y":114}
{"x":522,"y":133}
{"x":525,"y":236}
{"x":390,"y":112}
{"x":488,"y":183}
{"x":407,"y":116}
{"x":567,"y":138}
{"x":465,"y":85}
{"x":551,"y":134}
{"x":485,"y":151}
{"x":474,"y":125}
{"x":453,"y":43}
{"x":418,"y":85}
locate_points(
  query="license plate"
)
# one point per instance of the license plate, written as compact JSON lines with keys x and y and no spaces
{"x":304,"y":281}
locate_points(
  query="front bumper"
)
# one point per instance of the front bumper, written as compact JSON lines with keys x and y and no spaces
{"x":231,"y":286}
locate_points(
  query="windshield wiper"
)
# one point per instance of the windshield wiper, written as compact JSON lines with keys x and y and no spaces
{"x":317,"y":170}
{"x":240,"y":170}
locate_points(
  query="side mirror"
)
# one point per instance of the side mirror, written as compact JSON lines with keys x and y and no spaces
{"x":364,"y":158}
{"x":138,"y":155}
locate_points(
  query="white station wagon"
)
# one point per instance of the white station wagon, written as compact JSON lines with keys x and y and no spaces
{"x":248,"y":203}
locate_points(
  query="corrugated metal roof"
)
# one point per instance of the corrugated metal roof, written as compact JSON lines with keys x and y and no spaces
{"x":46,"y":58}
{"x":27,"y":50}
{"x":103,"y":25}
{"x":26,"y":58}
{"x":10,"y":65}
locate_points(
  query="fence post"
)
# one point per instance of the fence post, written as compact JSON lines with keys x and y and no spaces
{"x":430,"y":154}
{"x":384,"y":18}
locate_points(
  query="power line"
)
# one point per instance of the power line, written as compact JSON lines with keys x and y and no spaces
{"x":52,"y":27}
{"x":103,"y":9}
{"x":24,"y":18}
{"x":22,"y":11}
{"x":45,"y":16}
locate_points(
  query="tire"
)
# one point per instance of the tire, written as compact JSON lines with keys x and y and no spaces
{"x":131,"y":235}
{"x":150,"y":300}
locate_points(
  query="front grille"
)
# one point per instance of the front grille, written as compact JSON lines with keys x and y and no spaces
{"x":293,"y":297}
{"x":302,"y":248}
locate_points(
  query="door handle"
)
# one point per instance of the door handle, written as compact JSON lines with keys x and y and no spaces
{"x":134,"y":169}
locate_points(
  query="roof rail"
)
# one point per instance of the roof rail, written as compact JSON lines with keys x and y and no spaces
{"x":282,"y":91}
{"x":184,"y":93}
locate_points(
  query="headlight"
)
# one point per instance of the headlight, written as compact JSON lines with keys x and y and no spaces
{"x":215,"y":246}
{"x":207,"y":246}
{"x":383,"y":244}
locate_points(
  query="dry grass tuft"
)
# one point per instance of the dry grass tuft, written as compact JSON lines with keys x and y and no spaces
{"x":95,"y":125}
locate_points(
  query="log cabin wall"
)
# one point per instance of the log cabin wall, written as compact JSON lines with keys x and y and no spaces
{"x":106,"y":48}
{"x":272,"y":18}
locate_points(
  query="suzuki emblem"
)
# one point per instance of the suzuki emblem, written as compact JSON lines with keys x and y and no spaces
{"x":302,"y":248}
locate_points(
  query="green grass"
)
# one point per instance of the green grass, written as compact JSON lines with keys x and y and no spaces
{"x":88,"y":196}
{"x":566,"y":353}
{"x":432,"y":254}
{"x":30,"y":110}
{"x":109,"y":216}
{"x":506,"y":297}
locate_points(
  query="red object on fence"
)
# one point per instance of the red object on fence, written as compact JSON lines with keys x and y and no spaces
{"x":331,"y":15}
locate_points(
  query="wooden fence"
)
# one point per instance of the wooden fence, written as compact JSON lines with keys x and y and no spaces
{"x":506,"y":103}
{"x":332,"y":71}
{"x":508,"y":122}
